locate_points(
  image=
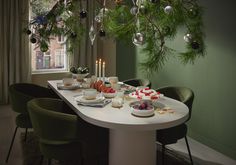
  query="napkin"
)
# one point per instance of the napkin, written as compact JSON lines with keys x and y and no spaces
{"x":96,"y":104}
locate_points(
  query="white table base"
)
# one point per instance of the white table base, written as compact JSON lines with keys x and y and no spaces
{"x":132,"y":147}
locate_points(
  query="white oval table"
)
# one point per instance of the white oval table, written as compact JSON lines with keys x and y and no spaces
{"x":131,"y":138}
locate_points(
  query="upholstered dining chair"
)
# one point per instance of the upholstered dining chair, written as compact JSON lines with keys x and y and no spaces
{"x":64,"y":136}
{"x":20,"y":94}
{"x":138,"y":82}
{"x":172,"y":135}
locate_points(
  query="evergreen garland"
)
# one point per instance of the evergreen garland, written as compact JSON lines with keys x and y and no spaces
{"x":158,"y":25}
{"x":148,"y":22}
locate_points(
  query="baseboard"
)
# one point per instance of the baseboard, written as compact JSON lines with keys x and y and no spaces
{"x":201,"y":153}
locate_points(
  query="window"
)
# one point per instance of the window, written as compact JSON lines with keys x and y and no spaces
{"x":55,"y":59}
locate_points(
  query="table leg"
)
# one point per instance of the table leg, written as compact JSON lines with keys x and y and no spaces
{"x":132,"y":147}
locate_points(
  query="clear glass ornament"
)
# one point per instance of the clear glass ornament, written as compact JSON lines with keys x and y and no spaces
{"x":92,"y":34}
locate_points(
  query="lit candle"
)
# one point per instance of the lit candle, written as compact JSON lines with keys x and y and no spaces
{"x":96,"y":68}
{"x":103,"y":71}
{"x":100,"y":68}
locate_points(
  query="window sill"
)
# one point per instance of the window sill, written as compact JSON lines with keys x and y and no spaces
{"x":49,"y":72}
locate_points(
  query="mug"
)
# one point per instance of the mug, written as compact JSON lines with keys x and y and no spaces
{"x":90,"y":94}
{"x":67,"y":81}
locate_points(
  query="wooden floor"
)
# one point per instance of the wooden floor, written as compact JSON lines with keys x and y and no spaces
{"x":7,"y":126}
{"x":202,"y":155}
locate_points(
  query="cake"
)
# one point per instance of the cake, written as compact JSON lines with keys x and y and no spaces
{"x":145,"y":94}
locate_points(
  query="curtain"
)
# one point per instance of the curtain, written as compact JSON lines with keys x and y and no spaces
{"x":86,"y":54}
{"x":14,"y":45}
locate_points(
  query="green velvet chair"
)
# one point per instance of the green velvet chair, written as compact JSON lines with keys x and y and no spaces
{"x":20,"y":94}
{"x":172,"y":135}
{"x":138,"y":82}
{"x":64,"y":136}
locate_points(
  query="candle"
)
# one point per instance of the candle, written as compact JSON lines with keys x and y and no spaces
{"x":103,"y":71}
{"x":96,"y":68}
{"x":100,"y":68}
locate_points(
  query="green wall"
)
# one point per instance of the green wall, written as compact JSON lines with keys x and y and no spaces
{"x":212,"y":78}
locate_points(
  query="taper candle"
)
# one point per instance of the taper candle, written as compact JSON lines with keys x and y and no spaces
{"x":96,"y":68}
{"x":103,"y":71}
{"x":100,"y":68}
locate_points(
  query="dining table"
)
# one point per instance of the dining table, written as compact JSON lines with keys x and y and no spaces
{"x":132,"y":139}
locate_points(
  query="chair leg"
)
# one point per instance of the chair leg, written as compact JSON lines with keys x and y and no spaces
{"x":26,"y":130}
{"x":163,"y":154}
{"x":189,"y":152}
{"x":12,"y":141}
{"x":49,"y":161}
{"x":41,"y":160}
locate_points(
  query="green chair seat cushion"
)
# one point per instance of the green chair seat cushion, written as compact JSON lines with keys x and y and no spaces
{"x":23,"y":121}
{"x":171,"y":135}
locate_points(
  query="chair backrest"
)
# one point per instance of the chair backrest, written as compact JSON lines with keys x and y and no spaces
{"x":50,"y":122}
{"x":21,"y":93}
{"x":182,"y":94}
{"x":138,"y":82}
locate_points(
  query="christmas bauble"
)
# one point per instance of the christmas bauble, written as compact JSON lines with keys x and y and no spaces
{"x":193,"y":12}
{"x":134,"y":10}
{"x":142,"y":9}
{"x":98,"y":18}
{"x":83,"y":14}
{"x":195,"y":45}
{"x":168,"y":9}
{"x":33,"y":40}
{"x":28,"y":32}
{"x":154,"y":1}
{"x":166,"y":30}
{"x":102,"y":33}
{"x":138,"y":39}
{"x":73,"y":35}
{"x":44,"y":47}
{"x":188,"y":37}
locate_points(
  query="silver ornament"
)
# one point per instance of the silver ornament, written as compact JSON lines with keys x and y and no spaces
{"x":188,"y":37}
{"x":98,"y":18}
{"x":168,"y":9}
{"x":138,"y":39}
{"x":134,"y":10}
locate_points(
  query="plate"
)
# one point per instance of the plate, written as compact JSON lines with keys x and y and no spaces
{"x":68,"y":87}
{"x":98,"y":99}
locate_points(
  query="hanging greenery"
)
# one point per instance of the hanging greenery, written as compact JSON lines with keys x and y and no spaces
{"x":146,"y":23}
{"x":150,"y":23}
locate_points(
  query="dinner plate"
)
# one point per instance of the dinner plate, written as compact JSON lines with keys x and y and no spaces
{"x":98,"y":99}
{"x":68,"y":87}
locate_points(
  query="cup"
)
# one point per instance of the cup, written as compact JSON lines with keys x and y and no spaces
{"x":120,"y":94}
{"x":67,"y":81}
{"x":113,"y":80}
{"x":90,"y":94}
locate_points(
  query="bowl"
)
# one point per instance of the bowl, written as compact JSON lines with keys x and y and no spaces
{"x":137,"y":110}
{"x":109,"y":95}
{"x":79,"y":77}
{"x":90,"y":94}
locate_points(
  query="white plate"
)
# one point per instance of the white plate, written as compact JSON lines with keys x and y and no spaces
{"x":98,"y":99}
{"x":68,"y":87}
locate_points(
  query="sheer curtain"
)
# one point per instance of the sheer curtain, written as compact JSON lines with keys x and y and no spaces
{"x":14,"y":45}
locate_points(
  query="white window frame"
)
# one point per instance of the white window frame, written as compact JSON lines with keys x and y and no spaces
{"x":54,"y":70}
